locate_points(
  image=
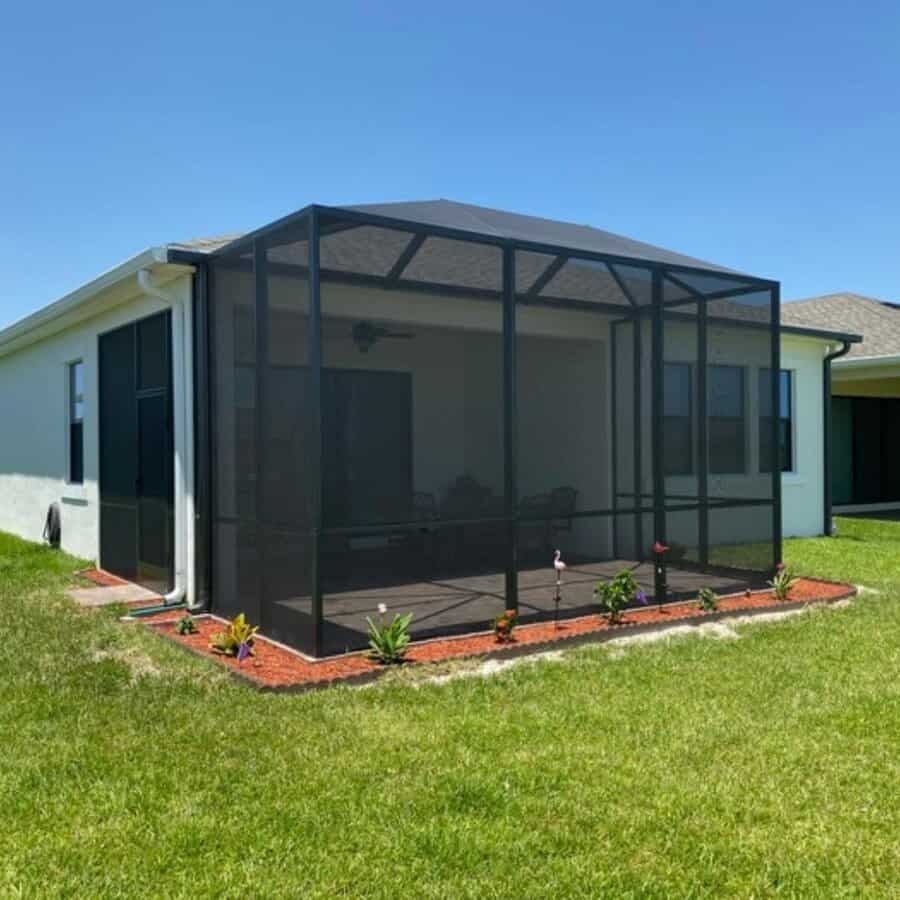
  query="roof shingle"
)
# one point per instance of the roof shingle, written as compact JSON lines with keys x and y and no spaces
{"x":552,"y":232}
{"x":877,"y":321}
{"x":500,"y":223}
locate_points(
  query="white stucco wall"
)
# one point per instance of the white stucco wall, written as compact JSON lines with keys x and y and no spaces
{"x":34,"y":443}
{"x":802,"y":491}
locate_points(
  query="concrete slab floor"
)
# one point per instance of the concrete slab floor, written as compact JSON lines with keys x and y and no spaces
{"x":106,"y":596}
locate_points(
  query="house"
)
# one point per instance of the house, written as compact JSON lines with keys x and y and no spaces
{"x":865,"y":398}
{"x":415,"y":404}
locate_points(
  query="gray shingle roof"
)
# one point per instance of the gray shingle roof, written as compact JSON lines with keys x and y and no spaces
{"x":205,"y":245}
{"x":567,"y":235}
{"x":878,"y":322}
{"x":499,"y":223}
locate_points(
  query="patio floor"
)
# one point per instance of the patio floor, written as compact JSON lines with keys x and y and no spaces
{"x":466,"y":604}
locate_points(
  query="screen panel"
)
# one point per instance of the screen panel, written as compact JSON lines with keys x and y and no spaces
{"x":286,"y":437}
{"x":413,"y":490}
{"x":742,"y":538}
{"x":262,"y":435}
{"x":236,"y":570}
{"x":631,"y":436}
{"x":233,"y":386}
{"x":582,"y":415}
{"x":742,"y":443}
{"x":680,"y":407}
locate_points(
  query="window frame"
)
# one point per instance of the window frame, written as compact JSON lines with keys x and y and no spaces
{"x":742,"y":419}
{"x":691,"y":467}
{"x":788,"y":466}
{"x":74,"y":423}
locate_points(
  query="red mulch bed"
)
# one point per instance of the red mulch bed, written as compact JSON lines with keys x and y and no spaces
{"x":275,"y":668}
{"x":101,"y":578}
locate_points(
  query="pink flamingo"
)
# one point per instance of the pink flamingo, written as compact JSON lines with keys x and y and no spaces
{"x":559,"y":565}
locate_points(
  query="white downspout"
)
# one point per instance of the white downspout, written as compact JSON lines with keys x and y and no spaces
{"x":183,"y":422}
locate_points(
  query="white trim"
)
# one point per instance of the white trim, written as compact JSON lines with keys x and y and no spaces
{"x":84,"y":301}
{"x":854,"y":361}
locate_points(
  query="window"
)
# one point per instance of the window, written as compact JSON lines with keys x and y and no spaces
{"x":783,"y":421}
{"x":678,"y":439}
{"x":76,"y":421}
{"x":727,"y":438}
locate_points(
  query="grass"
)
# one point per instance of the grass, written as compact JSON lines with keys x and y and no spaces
{"x":765,"y":766}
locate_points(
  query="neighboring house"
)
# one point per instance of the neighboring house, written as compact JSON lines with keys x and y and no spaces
{"x":414,"y":403}
{"x":865,"y":405}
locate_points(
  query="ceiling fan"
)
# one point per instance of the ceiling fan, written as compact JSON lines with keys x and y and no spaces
{"x":365,"y":335}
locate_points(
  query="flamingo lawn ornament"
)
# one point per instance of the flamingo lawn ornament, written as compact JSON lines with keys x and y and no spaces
{"x":560,"y":567}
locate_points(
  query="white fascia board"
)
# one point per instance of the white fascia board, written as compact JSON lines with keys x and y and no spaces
{"x":78,"y":304}
{"x":793,"y":337}
{"x":869,"y":361}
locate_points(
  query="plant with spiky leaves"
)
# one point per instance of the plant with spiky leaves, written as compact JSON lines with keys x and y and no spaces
{"x":236,"y":640}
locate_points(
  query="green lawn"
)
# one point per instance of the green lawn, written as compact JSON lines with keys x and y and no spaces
{"x":765,"y":766}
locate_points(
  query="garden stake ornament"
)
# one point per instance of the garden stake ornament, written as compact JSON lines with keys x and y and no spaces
{"x":659,"y":550}
{"x":560,"y":567}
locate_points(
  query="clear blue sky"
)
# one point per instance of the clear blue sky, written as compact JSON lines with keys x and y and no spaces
{"x":762,"y":135}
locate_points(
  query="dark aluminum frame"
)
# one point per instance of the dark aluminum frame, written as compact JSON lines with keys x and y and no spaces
{"x":657,"y":312}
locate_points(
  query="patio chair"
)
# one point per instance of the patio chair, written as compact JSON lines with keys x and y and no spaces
{"x":467,"y":498}
{"x":534,"y":533}
{"x":563,"y":501}
{"x":424,"y":507}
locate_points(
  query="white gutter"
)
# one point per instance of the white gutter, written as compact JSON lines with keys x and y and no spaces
{"x":183,"y":418}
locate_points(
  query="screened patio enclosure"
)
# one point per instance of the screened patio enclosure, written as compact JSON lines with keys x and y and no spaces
{"x":416,"y":404}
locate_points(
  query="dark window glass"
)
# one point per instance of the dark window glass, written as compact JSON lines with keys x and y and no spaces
{"x":153,"y":344}
{"x":782,"y":422}
{"x":76,"y":422}
{"x":678,"y":419}
{"x":727,"y":427}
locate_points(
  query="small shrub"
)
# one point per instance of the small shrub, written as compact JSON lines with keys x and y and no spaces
{"x":236,"y":640}
{"x":708,"y":599}
{"x":388,"y":643}
{"x":186,"y":625}
{"x":782,"y":582}
{"x":504,"y":626}
{"x":614,"y":595}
